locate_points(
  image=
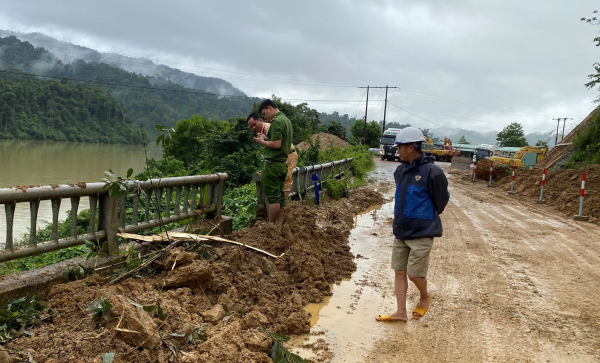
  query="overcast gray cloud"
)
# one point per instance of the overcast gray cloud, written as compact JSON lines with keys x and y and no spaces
{"x":470,"y":64}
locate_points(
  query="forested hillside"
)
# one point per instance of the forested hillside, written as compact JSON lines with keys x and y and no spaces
{"x":66,"y":52}
{"x":148,"y":100}
{"x":62,"y":111}
{"x":145,"y":101}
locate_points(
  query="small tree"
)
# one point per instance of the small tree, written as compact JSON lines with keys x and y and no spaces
{"x":512,"y":135}
{"x":542,"y":143}
{"x":463,"y":140}
{"x":357,"y":133}
{"x":337,"y":129}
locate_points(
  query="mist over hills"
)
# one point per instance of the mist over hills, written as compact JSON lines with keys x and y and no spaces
{"x":67,"y":52}
{"x":487,"y":137}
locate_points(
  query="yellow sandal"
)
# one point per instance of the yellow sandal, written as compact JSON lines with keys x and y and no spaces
{"x":420,"y":311}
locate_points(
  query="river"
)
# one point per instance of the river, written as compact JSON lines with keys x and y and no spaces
{"x":28,"y":162}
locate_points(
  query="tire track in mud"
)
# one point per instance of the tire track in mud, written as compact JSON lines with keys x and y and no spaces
{"x":514,"y":282}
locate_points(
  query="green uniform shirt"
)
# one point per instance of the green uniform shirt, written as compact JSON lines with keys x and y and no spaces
{"x":281,"y":129}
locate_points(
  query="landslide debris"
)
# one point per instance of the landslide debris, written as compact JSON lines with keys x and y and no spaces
{"x":219,"y":299}
{"x":562,"y":189}
{"x":500,"y":171}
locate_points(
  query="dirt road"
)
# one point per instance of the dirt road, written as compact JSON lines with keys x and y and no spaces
{"x":511,"y":281}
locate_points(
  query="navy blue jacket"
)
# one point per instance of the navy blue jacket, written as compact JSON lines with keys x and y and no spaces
{"x":421,"y":196}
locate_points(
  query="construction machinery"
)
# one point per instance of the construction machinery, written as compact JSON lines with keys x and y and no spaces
{"x":446,"y":153}
{"x":484,"y":151}
{"x":527,"y":156}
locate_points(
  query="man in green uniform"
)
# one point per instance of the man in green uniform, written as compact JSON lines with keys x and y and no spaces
{"x":277,"y":143}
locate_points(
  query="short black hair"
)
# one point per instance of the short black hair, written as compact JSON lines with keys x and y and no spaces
{"x":253,"y":116}
{"x":266,"y":103}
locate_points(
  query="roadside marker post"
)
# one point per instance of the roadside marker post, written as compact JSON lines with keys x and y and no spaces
{"x":491,"y":171}
{"x":581,"y":217}
{"x":542,"y":201}
{"x":474,"y":173}
{"x":512,"y":183}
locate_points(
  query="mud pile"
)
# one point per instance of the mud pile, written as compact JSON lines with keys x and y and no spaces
{"x":224,"y":294}
{"x":327,"y":141}
{"x":500,"y":171}
{"x":562,"y":189}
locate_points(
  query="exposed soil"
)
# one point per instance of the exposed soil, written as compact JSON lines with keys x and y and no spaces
{"x":233,"y":292}
{"x":561,"y":190}
{"x":500,"y":171}
{"x":327,"y":141}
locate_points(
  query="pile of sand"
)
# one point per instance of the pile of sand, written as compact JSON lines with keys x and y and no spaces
{"x":562,"y":189}
{"x":229,"y":291}
{"x":327,"y":141}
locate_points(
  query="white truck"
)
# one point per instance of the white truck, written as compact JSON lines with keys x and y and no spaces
{"x":386,"y":145}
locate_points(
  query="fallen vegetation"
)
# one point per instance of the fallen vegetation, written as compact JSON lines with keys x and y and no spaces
{"x":204,"y":302}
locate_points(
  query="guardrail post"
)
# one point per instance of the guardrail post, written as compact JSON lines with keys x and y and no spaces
{"x":217,"y":195}
{"x":108,"y":220}
{"x":262,"y":205}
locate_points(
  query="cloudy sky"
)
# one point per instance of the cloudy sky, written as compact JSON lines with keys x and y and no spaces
{"x":472,"y":64}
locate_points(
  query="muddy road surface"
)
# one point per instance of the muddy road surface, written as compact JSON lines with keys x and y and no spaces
{"x":510,"y":280}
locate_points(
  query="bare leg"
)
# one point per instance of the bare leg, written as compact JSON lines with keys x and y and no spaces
{"x":287,"y":194}
{"x":274,"y":211}
{"x":401,"y":286}
{"x":280,"y":217}
{"x":421,"y":284}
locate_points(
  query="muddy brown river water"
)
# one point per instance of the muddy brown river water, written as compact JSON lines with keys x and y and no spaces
{"x":29,"y":162}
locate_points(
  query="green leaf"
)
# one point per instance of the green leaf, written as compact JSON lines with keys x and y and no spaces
{"x":159,"y":310}
{"x":94,"y":304}
{"x":108,"y":357}
{"x":134,"y":303}
{"x":129,"y":173}
{"x":149,"y":308}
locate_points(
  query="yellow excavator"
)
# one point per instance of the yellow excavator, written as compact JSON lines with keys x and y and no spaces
{"x":446,"y":153}
{"x":524,"y":158}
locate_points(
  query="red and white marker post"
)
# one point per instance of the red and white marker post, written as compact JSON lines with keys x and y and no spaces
{"x":581,"y":217}
{"x":474,"y":173}
{"x":512,"y":183}
{"x":491,"y":171}
{"x":542,"y":201}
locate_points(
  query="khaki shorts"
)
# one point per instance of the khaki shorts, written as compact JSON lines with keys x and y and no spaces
{"x":292,"y":161}
{"x":412,"y":256}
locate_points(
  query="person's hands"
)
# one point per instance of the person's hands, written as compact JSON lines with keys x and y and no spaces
{"x":260,"y":138}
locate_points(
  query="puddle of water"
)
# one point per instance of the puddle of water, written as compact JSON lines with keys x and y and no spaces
{"x":346,"y":320}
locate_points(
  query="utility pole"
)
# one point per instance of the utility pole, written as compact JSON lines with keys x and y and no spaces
{"x":384,"y":109}
{"x":564,"y":120}
{"x":365,"y":126}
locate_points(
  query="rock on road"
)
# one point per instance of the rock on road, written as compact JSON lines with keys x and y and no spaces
{"x":511,"y":281}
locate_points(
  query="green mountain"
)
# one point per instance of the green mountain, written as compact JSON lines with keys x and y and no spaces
{"x":66,"y":52}
{"x":148,"y":100}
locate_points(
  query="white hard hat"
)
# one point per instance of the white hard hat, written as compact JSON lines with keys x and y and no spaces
{"x":408,"y":135}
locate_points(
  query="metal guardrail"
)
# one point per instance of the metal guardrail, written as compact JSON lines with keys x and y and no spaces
{"x":202,"y":194}
{"x":302,"y":182}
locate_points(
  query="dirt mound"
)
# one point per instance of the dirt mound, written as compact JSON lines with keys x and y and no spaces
{"x":327,"y":141}
{"x":222,"y":294}
{"x":562,"y":189}
{"x":500,"y":171}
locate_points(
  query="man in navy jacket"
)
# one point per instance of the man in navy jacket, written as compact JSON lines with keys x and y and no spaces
{"x":421,"y":196}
